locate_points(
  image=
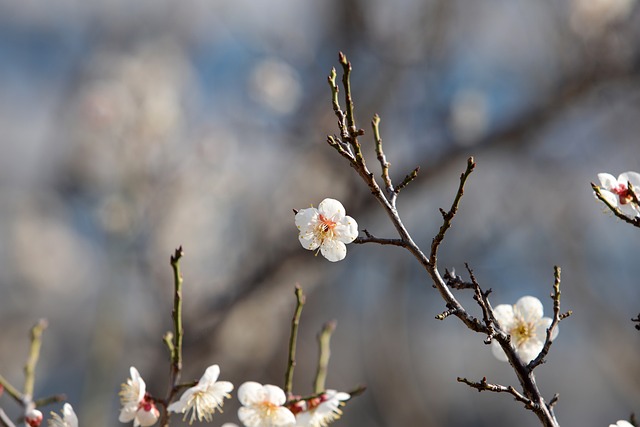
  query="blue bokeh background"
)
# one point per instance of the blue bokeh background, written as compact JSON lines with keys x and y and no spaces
{"x":128,"y":129}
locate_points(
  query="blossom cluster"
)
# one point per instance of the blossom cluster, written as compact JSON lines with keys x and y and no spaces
{"x":262,"y":405}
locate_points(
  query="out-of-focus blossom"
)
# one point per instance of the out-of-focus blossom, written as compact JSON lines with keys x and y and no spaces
{"x":617,"y":192}
{"x":204,"y":398}
{"x":528,"y":329}
{"x":322,"y":411}
{"x":33,"y":417}
{"x":262,"y":406}
{"x":137,"y":405}
{"x":621,"y":423}
{"x":590,"y":18}
{"x":327,"y":228}
{"x":68,"y":419}
{"x":276,"y":85}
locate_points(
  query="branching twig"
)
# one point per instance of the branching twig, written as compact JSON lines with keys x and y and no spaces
{"x":483,"y":385}
{"x":448,"y":216}
{"x":490,"y":326}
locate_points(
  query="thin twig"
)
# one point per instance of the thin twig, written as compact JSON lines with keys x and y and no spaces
{"x":32,"y":360}
{"x":483,"y":385}
{"x":384,"y":164}
{"x":295,"y":322}
{"x":557,"y":316}
{"x":324,"y":353}
{"x":448,"y":216}
{"x":13,"y":392}
{"x":5,"y":420}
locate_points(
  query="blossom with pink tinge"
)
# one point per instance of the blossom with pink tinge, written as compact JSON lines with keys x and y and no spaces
{"x":137,"y":405}
{"x":323,"y":411}
{"x":617,"y":191}
{"x":523,"y":321}
{"x":327,"y":228}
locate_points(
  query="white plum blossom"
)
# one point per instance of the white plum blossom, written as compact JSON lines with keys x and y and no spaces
{"x":327,"y":228}
{"x":617,"y":191}
{"x":262,"y":406}
{"x":204,"y":398}
{"x":324,"y":411}
{"x":526,"y":326}
{"x":621,"y":423}
{"x":68,"y":419}
{"x":137,"y":405}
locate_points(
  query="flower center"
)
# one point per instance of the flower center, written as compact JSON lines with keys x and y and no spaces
{"x":325,"y":227}
{"x":522,"y":332}
{"x":268,"y":408}
{"x":623,"y":192}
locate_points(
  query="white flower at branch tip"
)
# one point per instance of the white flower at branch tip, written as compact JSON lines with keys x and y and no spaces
{"x":327,"y":228}
{"x":324,"y":411}
{"x":204,"y":398}
{"x":68,"y":419}
{"x":262,"y":406}
{"x":621,"y":423}
{"x":617,"y":191}
{"x":137,"y":405}
{"x":528,"y":329}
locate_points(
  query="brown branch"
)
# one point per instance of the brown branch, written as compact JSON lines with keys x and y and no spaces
{"x":483,"y":385}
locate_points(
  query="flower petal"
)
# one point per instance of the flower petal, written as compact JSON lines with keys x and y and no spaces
{"x":505,"y":316}
{"x":305,"y":218}
{"x":309,"y":241}
{"x":607,"y":181}
{"x":498,"y":352}
{"x":274,"y":394}
{"x":283,"y":417}
{"x":629,"y":210}
{"x":210,"y":375}
{"x":610,"y":197}
{"x":69,"y":415}
{"x":127,"y":414}
{"x":347,"y":230}
{"x":529,"y":350}
{"x":541,"y":329}
{"x":529,"y":309}
{"x":632,"y":177}
{"x":250,"y":393}
{"x":333,"y":250}
{"x":331,"y":208}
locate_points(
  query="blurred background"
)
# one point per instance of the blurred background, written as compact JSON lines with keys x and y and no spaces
{"x":128,"y":129}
